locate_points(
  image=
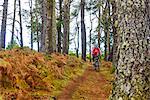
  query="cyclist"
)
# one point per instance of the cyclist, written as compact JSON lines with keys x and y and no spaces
{"x":96,"y":52}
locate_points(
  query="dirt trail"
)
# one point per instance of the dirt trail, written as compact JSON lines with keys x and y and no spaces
{"x":91,"y":85}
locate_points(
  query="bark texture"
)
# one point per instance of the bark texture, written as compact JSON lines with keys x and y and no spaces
{"x":49,"y":30}
{"x":50,"y":35}
{"x":43,"y":33}
{"x":132,"y":81}
{"x":99,"y":24}
{"x":54,"y":30}
{"x":83,"y":31}
{"x":31,"y":21}
{"x":59,"y":26}
{"x":13,"y":26}
{"x":115,"y":35}
{"x":20,"y":17}
{"x":3,"y":25}
{"x":66,"y":26}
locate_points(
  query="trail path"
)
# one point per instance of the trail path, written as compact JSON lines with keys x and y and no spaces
{"x":91,"y":85}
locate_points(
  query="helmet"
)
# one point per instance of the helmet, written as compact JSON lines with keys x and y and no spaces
{"x":96,"y":45}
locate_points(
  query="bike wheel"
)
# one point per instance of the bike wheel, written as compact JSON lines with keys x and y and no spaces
{"x":98,"y":67}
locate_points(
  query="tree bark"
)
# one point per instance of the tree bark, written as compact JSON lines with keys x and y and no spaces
{"x":83,"y":31}
{"x":115,"y":36}
{"x":54,"y":29}
{"x":3,"y":25}
{"x":108,"y":29}
{"x":37,"y":26}
{"x":132,"y":80}
{"x":49,"y":30}
{"x":66,"y":26}
{"x":78,"y":41}
{"x":105,"y":30}
{"x":21,"y":37}
{"x":91,"y":33}
{"x":59,"y":26}
{"x":77,"y":30}
{"x":43,"y":33}
{"x":13,"y":26}
{"x":31,"y":21}
{"x":99,"y":24}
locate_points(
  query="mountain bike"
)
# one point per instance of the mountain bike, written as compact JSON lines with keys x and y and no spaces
{"x":96,"y":63}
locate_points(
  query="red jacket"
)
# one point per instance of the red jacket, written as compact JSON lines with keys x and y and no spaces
{"x":96,"y":51}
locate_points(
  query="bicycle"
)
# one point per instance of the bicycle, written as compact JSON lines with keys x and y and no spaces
{"x":96,"y":63}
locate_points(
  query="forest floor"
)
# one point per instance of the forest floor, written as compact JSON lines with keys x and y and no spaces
{"x":29,"y":75}
{"x":91,"y":85}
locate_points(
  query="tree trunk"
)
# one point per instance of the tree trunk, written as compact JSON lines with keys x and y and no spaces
{"x":109,"y":21}
{"x":91,"y":34}
{"x":54,"y":29}
{"x":83,"y":31}
{"x":108,"y":29}
{"x":132,"y":80}
{"x":13,"y":26}
{"x":37,"y":25}
{"x":77,"y":30}
{"x":115,"y":42}
{"x":49,"y":30}
{"x":59,"y":26}
{"x":99,"y":24}
{"x":105,"y":52}
{"x":66,"y":26}
{"x":21,"y":37}
{"x":3,"y":25}
{"x":31,"y":21}
{"x":105,"y":30}
{"x":78,"y":41}
{"x":43,"y":33}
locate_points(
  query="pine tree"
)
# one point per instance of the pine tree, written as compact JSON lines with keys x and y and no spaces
{"x":3,"y":25}
{"x":20,"y":17}
{"x":66,"y":26}
{"x":133,"y":66}
{"x":83,"y":31}
{"x":13,"y":26}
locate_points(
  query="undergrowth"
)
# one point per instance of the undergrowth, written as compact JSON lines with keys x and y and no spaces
{"x":29,"y":75}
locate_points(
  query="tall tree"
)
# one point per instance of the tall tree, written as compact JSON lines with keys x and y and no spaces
{"x":66,"y":26}
{"x":54,"y":28}
{"x":107,"y":21}
{"x":43,"y":33}
{"x":99,"y":22}
{"x":59,"y":26}
{"x":83,"y":31}
{"x":31,"y":21}
{"x":133,"y":69}
{"x":37,"y":24}
{"x":91,"y":22}
{"x":115,"y":37}
{"x":108,"y":28}
{"x":3,"y":25}
{"x":77,"y":31}
{"x":77,"y":49}
{"x":51,"y":26}
{"x":13,"y":26}
{"x":20,"y":17}
{"x":105,"y":26}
